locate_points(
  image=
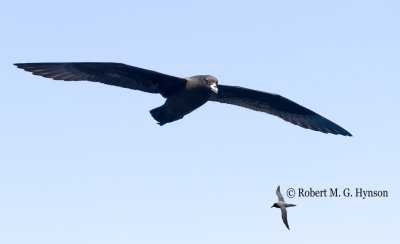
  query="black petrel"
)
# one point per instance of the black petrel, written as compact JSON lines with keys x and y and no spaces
{"x":282,"y":205}
{"x":183,"y":95}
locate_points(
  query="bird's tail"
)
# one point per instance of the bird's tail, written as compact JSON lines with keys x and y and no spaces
{"x":158,"y":114}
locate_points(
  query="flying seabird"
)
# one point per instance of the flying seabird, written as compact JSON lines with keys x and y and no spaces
{"x":183,"y":95}
{"x":282,"y":205}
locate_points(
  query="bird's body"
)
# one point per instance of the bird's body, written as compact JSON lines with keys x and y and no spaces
{"x":183,"y":101}
{"x":184,"y":95}
{"x":282,"y":205}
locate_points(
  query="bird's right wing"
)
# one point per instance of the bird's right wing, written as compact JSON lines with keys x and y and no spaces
{"x":277,"y":105}
{"x":115,"y":74}
{"x":284,"y":217}
{"x":279,"y":194}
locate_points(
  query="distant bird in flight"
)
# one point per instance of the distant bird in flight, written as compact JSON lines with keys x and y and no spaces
{"x":282,"y":205}
{"x":183,"y":95}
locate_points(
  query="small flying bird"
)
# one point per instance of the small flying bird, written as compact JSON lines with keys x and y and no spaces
{"x":184,"y":95}
{"x":282,"y":205}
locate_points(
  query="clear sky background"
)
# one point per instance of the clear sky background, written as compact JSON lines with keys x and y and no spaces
{"x":85,"y":163}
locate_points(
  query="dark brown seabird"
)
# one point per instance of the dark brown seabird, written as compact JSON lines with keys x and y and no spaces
{"x":184,"y":94}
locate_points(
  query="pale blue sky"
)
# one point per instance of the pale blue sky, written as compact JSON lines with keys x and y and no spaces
{"x":86,"y":163}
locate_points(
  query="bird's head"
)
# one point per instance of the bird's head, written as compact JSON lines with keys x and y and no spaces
{"x":275,"y":206}
{"x":211,"y":82}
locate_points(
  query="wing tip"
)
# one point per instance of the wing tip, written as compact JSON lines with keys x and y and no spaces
{"x":23,"y":66}
{"x":324,"y":125}
{"x":348,"y":134}
{"x":341,"y":131}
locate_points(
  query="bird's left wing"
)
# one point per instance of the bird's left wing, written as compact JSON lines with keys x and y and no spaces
{"x":279,"y":194}
{"x":115,"y":74}
{"x":277,"y":105}
{"x":284,"y":217}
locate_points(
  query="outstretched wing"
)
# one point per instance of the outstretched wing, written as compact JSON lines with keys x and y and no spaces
{"x":279,"y":194}
{"x":279,"y":106}
{"x":284,"y":217}
{"x":115,"y":74}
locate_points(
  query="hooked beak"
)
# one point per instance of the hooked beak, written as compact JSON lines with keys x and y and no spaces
{"x":214,"y":88}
